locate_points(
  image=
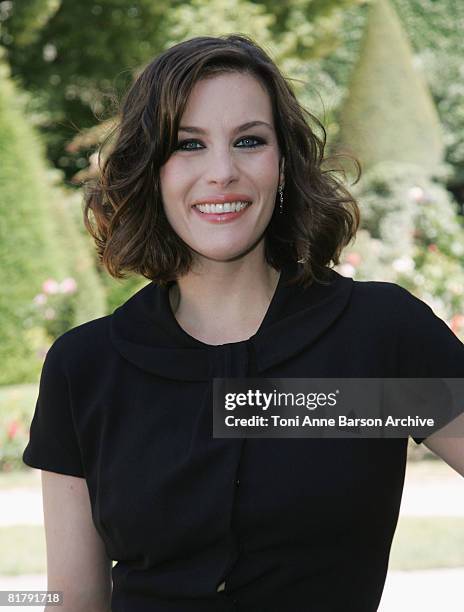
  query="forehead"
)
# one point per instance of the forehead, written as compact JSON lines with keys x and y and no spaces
{"x":228,"y":99}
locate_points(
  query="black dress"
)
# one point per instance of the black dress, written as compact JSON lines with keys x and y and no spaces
{"x":207,"y":524}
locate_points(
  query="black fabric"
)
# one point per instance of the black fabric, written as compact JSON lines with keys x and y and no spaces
{"x":289,"y":524}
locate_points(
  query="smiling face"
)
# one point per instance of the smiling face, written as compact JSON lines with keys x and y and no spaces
{"x":223,"y":161}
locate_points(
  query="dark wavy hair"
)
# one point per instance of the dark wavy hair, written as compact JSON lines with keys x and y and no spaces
{"x":131,"y":230}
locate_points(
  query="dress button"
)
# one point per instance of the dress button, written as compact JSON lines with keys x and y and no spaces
{"x":237,"y":482}
{"x":221,"y":586}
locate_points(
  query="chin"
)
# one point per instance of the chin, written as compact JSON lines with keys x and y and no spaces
{"x":224,"y":255}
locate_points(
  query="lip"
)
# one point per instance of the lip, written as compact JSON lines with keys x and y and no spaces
{"x":221,"y":198}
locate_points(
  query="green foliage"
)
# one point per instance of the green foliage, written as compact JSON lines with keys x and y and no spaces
{"x":313,"y":28}
{"x":386,"y":90}
{"x":89,"y":301}
{"x":16,"y":407}
{"x":206,"y":18}
{"x":38,"y":240}
{"x":27,"y":246}
{"x":410,"y":235}
{"x":86,"y":53}
{"x":30,"y":17}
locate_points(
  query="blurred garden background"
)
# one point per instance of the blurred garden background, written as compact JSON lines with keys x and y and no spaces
{"x":386,"y":79}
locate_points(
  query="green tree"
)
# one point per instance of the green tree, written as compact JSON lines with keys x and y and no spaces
{"x":77,"y":59}
{"x":30,"y":17}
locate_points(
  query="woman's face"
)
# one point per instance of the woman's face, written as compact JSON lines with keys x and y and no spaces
{"x":217,"y":160}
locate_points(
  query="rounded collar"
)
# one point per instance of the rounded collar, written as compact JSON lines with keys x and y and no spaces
{"x":146,"y":333}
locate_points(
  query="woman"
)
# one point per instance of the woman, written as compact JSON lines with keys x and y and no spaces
{"x":214,"y":190}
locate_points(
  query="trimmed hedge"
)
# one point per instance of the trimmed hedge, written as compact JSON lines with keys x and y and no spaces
{"x":39,"y":240}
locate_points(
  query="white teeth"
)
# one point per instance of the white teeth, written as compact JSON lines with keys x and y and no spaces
{"x":222,"y":208}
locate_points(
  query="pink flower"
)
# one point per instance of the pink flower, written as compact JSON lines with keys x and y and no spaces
{"x":457,"y":321}
{"x":40,"y":299}
{"x":417,"y":193}
{"x":433,"y":248}
{"x":50,"y":286}
{"x":68,"y":285}
{"x":353,"y":258}
{"x":12,"y":429}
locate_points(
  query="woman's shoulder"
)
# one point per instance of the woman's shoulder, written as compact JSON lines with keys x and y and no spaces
{"x":426,"y":346}
{"x":387,"y":307}
{"x":397,"y":309}
{"x":85,"y":342}
{"x":376,"y":297}
{"x":385,"y":290}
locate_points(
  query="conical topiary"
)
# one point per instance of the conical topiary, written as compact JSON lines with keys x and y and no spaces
{"x":389,"y":114}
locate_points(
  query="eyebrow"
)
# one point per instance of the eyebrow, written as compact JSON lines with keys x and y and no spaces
{"x":240,"y":128}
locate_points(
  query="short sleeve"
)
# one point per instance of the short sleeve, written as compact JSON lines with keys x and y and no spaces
{"x":53,"y":443}
{"x":428,"y":348}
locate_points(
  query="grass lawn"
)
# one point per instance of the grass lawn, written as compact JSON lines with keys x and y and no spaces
{"x":420,"y":543}
{"x":23,"y":550}
{"x":425,"y":542}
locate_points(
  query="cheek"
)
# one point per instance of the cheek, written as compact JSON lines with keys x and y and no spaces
{"x":265,"y":170}
{"x":173,"y":178}
{"x":175,"y":186}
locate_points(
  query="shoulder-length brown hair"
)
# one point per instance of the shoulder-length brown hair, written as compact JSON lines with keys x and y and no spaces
{"x":131,"y":230}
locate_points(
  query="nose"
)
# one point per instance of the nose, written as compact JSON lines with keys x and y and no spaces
{"x":221,"y":167}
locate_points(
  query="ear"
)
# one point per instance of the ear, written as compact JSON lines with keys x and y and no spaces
{"x":282,"y":171}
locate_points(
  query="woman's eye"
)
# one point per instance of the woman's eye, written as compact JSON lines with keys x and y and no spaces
{"x":184,"y":144}
{"x":258,"y":141}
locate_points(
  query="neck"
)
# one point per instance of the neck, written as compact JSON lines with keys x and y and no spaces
{"x":224,"y":302}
